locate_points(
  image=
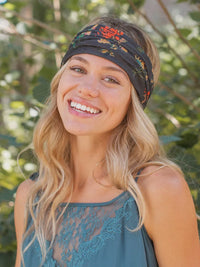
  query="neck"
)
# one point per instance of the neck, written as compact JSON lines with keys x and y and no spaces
{"x":88,"y":154}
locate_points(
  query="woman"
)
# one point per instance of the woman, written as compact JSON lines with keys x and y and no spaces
{"x":105,"y":194}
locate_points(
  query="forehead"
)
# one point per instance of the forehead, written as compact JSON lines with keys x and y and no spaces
{"x":88,"y":58}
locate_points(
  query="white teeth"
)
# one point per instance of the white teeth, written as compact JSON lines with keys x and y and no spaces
{"x":72,"y":104}
{"x":83,"y":107}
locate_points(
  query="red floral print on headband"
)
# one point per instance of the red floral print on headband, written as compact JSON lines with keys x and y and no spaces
{"x":146,"y":96}
{"x":108,"y":32}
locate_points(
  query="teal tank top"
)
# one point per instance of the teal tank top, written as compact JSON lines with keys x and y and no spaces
{"x":96,"y":234}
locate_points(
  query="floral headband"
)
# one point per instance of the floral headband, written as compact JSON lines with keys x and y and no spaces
{"x":114,"y":45}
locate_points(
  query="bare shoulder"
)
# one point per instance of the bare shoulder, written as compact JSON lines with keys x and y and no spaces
{"x":21,"y":198}
{"x":25,"y":187}
{"x":23,"y":190}
{"x":20,"y":205}
{"x":165,"y":182}
{"x":165,"y":190}
{"x":19,"y":213}
{"x":170,"y":217}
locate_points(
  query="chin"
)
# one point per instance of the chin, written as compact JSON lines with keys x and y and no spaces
{"x":78,"y":132}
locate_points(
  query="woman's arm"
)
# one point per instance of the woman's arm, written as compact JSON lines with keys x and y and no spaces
{"x":170,"y":218}
{"x":20,"y":204}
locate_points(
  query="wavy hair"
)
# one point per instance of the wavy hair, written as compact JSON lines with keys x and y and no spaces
{"x":133,"y":145}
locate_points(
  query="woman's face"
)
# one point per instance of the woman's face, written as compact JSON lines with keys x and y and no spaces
{"x":93,"y":95}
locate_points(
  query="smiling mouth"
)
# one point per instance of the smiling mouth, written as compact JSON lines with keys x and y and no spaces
{"x":83,"y":108}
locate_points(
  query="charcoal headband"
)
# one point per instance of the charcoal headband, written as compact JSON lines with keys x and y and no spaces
{"x":114,"y":45}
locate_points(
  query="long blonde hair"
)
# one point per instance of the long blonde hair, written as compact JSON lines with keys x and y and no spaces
{"x":133,"y":145}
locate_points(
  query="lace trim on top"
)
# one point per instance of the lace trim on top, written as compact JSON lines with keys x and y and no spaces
{"x":85,"y":228}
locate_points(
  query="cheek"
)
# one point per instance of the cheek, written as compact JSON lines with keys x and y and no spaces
{"x":118,"y":109}
{"x":121,"y":102}
{"x":124,"y":105}
{"x":59,"y":96}
{"x":66,"y":81}
{"x":63,"y":89}
{"x":61,"y":105}
{"x":62,"y":85}
{"x":122,"y":111}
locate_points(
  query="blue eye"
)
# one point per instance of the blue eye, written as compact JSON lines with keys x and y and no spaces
{"x":111,"y":80}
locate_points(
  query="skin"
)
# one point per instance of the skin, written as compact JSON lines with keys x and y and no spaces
{"x":170,"y":215}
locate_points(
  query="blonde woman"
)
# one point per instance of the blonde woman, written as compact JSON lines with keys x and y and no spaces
{"x":105,"y":194}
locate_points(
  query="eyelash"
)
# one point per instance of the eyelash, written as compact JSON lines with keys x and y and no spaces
{"x":111,"y":80}
{"x":81,"y":70}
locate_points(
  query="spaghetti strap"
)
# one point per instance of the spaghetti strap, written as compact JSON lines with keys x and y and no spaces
{"x":137,"y":177}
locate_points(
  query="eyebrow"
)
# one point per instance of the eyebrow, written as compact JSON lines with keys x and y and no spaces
{"x":80,"y":59}
{"x":112,"y":68}
{"x":116,"y":69}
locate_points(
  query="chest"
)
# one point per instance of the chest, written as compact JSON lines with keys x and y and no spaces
{"x":99,"y":234}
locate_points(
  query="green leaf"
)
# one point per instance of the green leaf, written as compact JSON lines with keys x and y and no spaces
{"x":7,"y":259}
{"x":41,"y":90}
{"x":197,"y":125}
{"x":6,"y":194}
{"x":188,"y":139}
{"x":194,"y":1}
{"x":185,"y":32}
{"x":181,"y":1}
{"x":8,"y":140}
{"x":137,"y":3}
{"x":195,"y":15}
{"x":17,"y":104}
{"x":195,"y":43}
{"x":168,"y":139}
{"x":9,"y":6}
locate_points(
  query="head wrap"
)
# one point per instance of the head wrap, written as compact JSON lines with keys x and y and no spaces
{"x":116,"y":46}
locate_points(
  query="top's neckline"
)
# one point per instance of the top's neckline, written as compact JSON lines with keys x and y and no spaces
{"x":89,"y":204}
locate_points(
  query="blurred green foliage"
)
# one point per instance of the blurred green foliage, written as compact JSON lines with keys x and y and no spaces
{"x":33,"y":37}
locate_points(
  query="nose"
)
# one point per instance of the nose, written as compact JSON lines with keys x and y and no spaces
{"x":89,"y":87}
